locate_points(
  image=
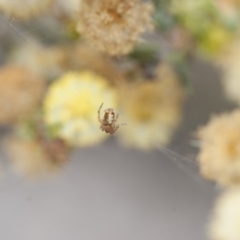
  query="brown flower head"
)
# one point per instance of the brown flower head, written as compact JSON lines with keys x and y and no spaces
{"x":24,"y":9}
{"x":219,"y":156}
{"x":114,"y":26}
{"x":31,"y":158}
{"x":20,"y":92}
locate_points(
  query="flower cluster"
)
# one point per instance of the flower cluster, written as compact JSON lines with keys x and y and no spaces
{"x":20,"y":93}
{"x":219,"y":157}
{"x":114,"y":26}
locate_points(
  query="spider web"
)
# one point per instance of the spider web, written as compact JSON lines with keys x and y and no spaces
{"x":39,"y":28}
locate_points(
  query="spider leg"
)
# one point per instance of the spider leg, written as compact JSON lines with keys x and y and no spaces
{"x":115,"y":119}
{"x":99,"y":110}
{"x":116,"y":128}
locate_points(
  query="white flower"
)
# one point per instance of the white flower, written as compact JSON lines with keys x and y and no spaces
{"x":219,"y":156}
{"x":225,"y":224}
{"x":152,"y":110}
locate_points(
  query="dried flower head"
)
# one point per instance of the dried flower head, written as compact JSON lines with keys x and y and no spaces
{"x":29,"y":158}
{"x":228,"y":8}
{"x":152,"y":110}
{"x":44,"y":61}
{"x":114,"y":26}
{"x":20,"y":92}
{"x":219,"y":155}
{"x":225,"y":224}
{"x":25,"y":9}
{"x":71,"y":105}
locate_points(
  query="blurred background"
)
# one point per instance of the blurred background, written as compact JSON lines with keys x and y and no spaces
{"x":166,"y":67}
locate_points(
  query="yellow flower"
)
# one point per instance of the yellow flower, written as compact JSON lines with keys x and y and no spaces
{"x":152,"y":110}
{"x":219,"y":156}
{"x":24,"y":9}
{"x":225,"y":224}
{"x":72,"y":104}
{"x":215,"y":40}
{"x":201,"y":18}
{"x":114,"y":26}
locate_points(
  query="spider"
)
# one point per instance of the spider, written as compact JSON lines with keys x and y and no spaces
{"x":108,"y":123}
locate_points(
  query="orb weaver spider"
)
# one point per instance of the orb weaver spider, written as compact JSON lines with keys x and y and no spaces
{"x":108,"y":123}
